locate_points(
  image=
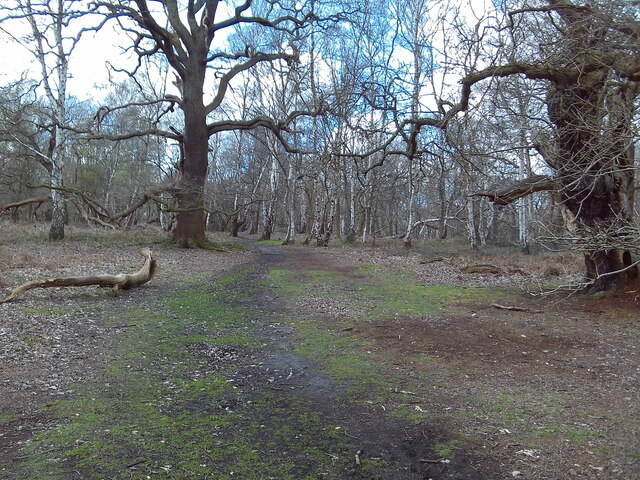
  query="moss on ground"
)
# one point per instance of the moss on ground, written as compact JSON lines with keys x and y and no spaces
{"x":168,"y":409}
{"x":164,"y":409}
{"x":382,"y":293}
{"x":367,"y":374}
{"x":578,"y":436}
{"x":269,"y":242}
{"x":52,"y":311}
{"x":8,"y":418}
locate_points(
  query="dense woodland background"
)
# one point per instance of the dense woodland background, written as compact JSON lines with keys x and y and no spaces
{"x":506,"y":122}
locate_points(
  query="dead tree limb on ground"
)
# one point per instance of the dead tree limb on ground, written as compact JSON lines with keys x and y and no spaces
{"x":515,"y":309}
{"x":122,"y":281}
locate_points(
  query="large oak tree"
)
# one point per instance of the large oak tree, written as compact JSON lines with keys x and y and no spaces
{"x":191,"y":36}
{"x":588,"y":56}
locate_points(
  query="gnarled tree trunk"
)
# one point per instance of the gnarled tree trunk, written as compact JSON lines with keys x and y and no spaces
{"x":190,"y":221}
{"x":595,"y":166}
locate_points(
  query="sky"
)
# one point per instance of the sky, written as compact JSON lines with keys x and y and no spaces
{"x":88,"y":69}
{"x":89,"y":74}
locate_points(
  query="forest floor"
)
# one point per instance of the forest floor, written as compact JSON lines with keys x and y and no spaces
{"x":297,"y":362}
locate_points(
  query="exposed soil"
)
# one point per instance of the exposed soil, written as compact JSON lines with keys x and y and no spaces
{"x":550,"y":392}
{"x":563,"y":364}
{"x":408,"y":450}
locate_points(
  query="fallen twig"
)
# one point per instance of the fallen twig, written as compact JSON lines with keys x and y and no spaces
{"x":131,"y":465}
{"x":434,"y":260}
{"x":358,"y":463}
{"x":403,"y":392}
{"x":515,"y":309}
{"x":349,"y":435}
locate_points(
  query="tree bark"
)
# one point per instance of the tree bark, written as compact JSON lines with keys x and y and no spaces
{"x":269,"y":214}
{"x":290,"y":202}
{"x":516,"y":190}
{"x":596,"y":168}
{"x":55,"y":42}
{"x":323,"y":237}
{"x":56,"y":230}
{"x":21,"y":203}
{"x":190,"y":220}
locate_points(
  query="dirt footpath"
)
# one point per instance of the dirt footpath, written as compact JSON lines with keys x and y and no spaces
{"x":297,"y":362}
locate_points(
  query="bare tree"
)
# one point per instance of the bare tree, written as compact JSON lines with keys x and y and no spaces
{"x":22,"y":142}
{"x":52,"y":40}
{"x":415,"y":37}
{"x":184,"y":35}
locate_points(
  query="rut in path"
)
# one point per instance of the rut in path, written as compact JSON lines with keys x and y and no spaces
{"x":207,"y":378}
{"x":404,"y":451}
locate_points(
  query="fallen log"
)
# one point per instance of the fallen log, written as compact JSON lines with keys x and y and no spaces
{"x":122,"y":281}
{"x":482,"y":268}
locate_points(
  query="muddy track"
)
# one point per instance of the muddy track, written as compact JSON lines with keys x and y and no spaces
{"x":406,"y":451}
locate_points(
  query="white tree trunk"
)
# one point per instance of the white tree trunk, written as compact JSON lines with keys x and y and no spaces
{"x":524,"y":206}
{"x":412,"y":195}
{"x":56,"y":230}
{"x":291,"y":204}
{"x":54,"y":81}
{"x":269,"y":213}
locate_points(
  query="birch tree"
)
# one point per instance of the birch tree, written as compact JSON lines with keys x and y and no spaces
{"x":53,"y":36}
{"x":415,"y":38}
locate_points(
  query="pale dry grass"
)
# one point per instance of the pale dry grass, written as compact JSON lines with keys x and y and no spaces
{"x":13,"y":233}
{"x":547,"y":264}
{"x":10,"y":259}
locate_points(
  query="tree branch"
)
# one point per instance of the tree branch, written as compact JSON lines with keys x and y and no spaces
{"x":21,"y":203}
{"x":120,"y":281}
{"x":522,"y":188}
{"x":241,"y":67}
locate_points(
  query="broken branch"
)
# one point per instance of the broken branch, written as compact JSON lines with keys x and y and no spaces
{"x":515,"y":309}
{"x":21,"y":203}
{"x":122,"y":281}
{"x":519,"y":189}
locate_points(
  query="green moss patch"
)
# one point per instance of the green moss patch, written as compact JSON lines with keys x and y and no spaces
{"x":269,"y":242}
{"x":171,"y":404}
{"x":382,"y":293}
